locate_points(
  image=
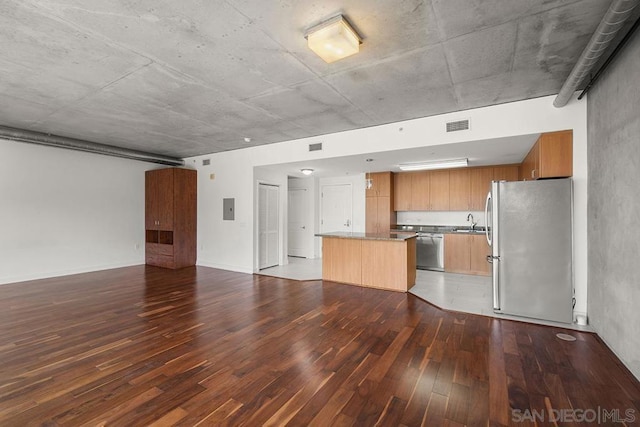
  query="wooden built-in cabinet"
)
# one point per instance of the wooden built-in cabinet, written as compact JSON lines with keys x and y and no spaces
{"x":170,"y":217}
{"x":550,"y":157}
{"x":379,"y":215}
{"x":448,"y":190}
{"x":466,"y":254}
{"x":459,"y":189}
{"x":439,"y":190}
{"x":377,"y":263}
{"x":421,"y":191}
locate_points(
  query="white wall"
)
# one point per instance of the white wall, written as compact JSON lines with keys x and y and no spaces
{"x":66,"y":212}
{"x":232,"y":246}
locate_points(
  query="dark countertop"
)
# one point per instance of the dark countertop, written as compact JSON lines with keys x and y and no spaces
{"x":440,"y":229}
{"x":368,"y":236}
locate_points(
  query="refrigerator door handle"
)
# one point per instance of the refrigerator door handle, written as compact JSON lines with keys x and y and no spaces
{"x":496,"y":283}
{"x":486,"y":218}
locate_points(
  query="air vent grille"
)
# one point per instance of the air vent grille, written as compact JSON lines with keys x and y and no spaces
{"x":458,"y":125}
{"x":315,"y":147}
{"x":206,"y":162}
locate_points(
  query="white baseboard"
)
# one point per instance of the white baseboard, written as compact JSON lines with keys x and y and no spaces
{"x":66,"y":272}
{"x":236,"y":268}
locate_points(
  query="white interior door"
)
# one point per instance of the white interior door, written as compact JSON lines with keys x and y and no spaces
{"x":298,"y":229}
{"x":337,"y":211}
{"x":268,"y":225}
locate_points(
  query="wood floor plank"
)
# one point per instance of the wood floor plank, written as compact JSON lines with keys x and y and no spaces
{"x":147,"y":346}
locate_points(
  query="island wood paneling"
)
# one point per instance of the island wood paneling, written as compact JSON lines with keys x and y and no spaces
{"x":342,"y":260}
{"x":377,"y":263}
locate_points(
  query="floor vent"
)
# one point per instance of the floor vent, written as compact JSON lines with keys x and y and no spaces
{"x":566,"y":337}
{"x":459,"y":125}
{"x":315,"y":147}
{"x":206,"y":162}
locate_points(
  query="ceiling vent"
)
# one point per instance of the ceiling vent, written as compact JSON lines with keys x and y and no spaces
{"x":315,"y":147}
{"x":459,"y":125}
{"x":206,"y":162}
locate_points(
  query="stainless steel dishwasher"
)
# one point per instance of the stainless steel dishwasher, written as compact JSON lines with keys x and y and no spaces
{"x":430,"y":251}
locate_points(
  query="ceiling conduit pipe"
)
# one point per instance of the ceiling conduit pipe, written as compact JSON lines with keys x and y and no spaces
{"x":607,"y":30}
{"x":32,"y":137}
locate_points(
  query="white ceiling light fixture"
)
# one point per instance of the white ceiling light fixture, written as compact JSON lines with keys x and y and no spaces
{"x":438,"y":164}
{"x":306,"y":171}
{"x":333,"y":39}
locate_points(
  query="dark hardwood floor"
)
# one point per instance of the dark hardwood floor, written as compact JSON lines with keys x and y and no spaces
{"x":148,"y":346}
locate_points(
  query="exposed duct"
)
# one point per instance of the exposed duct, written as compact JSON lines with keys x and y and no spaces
{"x":81,"y":145}
{"x":607,"y":30}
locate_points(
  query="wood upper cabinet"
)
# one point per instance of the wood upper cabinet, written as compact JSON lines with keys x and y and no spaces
{"x":420,"y":191}
{"x":460,"y":189}
{"x":439,"y":190}
{"x":170,"y":217}
{"x":448,"y":190}
{"x":550,"y":157}
{"x":379,"y":212}
{"x":466,"y":254}
{"x":159,"y":200}
{"x":402,"y":191}
{"x":382,"y":183}
{"x":480,"y":185}
{"x":506,"y":173}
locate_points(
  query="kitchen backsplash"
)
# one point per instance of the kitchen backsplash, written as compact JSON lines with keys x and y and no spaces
{"x":439,"y":218}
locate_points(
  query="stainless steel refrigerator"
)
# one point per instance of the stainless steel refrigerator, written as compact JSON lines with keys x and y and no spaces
{"x":530,"y":233}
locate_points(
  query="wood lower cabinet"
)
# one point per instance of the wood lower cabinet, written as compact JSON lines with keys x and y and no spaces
{"x":456,"y":253}
{"x":478,"y":263}
{"x":466,"y":254}
{"x":550,"y":157}
{"x":170,"y":217}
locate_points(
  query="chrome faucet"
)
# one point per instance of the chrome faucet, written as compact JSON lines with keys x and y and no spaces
{"x":473,"y":224}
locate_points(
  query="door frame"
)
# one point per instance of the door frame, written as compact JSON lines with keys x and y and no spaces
{"x":321,"y":219}
{"x":308,"y":251}
{"x":281,"y":232}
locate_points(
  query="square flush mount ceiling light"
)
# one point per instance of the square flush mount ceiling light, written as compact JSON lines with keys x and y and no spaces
{"x":333,"y":39}
{"x":440,"y":164}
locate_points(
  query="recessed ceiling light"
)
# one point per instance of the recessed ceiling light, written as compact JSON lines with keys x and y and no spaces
{"x":306,"y":171}
{"x":333,"y":39}
{"x":368,"y":160}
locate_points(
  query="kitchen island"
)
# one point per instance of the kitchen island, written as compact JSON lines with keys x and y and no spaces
{"x":381,"y":260}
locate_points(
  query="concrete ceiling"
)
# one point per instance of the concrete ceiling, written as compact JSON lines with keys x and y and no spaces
{"x":190,"y":77}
